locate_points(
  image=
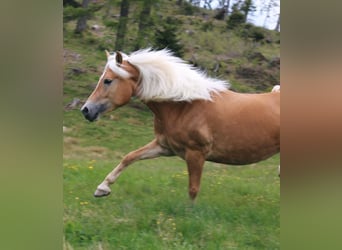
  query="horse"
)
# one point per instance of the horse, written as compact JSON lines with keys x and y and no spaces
{"x":196,"y":117}
{"x":276,"y":88}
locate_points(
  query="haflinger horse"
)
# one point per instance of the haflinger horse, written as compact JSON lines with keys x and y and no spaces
{"x":195,"y":117}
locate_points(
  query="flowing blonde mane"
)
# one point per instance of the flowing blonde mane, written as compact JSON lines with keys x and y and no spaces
{"x":166,"y":77}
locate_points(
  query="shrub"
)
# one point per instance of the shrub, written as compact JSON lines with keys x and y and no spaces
{"x":188,"y":9}
{"x":110,"y":23}
{"x":236,"y":19}
{"x":207,"y":26}
{"x":255,"y":33}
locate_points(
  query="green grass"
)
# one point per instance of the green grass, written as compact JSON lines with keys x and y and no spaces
{"x":237,"y":207}
{"x":149,"y":208}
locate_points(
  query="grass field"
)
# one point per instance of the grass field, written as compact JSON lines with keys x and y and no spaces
{"x":237,"y":207}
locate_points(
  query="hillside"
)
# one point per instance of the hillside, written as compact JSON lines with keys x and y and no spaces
{"x":233,"y":55}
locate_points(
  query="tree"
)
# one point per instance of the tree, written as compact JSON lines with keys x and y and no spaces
{"x":144,"y":23}
{"x":207,"y":4}
{"x":121,"y":32}
{"x":268,"y":7}
{"x":73,"y":10}
{"x":247,"y":7}
{"x":236,"y":18}
{"x":224,"y":4}
{"x":82,"y":21}
{"x":227,"y":5}
{"x":166,"y":37}
{"x":277,"y":27}
{"x":220,"y":14}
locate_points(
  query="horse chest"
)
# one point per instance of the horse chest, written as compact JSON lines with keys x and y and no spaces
{"x":182,"y":139}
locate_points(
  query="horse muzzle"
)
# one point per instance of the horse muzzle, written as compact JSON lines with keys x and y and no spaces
{"x":91,"y":111}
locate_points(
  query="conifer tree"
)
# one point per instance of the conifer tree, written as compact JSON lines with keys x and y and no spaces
{"x":166,"y":37}
{"x":82,"y":21}
{"x":144,"y":23}
{"x":121,"y":32}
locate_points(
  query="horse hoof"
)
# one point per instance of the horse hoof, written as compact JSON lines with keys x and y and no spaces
{"x":102,"y":191}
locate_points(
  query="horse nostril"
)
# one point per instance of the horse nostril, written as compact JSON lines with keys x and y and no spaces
{"x":85,"y":110}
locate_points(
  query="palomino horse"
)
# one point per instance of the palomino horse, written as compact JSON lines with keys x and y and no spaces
{"x":276,"y":88}
{"x":195,"y":117}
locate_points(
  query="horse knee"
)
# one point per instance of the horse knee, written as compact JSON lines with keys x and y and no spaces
{"x":193,"y":192}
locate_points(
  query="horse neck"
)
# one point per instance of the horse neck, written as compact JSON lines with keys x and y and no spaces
{"x":164,"y":110}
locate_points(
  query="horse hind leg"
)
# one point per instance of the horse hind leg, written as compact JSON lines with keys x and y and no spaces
{"x":195,"y":161}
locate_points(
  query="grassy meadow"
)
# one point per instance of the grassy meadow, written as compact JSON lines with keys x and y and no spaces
{"x":237,"y":207}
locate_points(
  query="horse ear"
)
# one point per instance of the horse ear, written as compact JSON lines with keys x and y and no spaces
{"x":107,"y":53}
{"x":118,"y":58}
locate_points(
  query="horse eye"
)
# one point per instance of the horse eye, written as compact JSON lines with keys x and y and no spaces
{"x":107,"y":81}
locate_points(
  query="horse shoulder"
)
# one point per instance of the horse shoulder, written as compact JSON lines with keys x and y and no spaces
{"x":185,"y":128}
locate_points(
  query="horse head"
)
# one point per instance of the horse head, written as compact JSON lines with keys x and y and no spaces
{"x":114,"y":89}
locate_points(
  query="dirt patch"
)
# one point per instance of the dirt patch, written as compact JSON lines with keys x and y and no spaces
{"x":258,"y":77}
{"x":70,"y":56}
{"x":73,"y":150}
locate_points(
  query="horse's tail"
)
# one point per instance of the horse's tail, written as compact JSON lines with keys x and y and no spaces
{"x":276,"y":88}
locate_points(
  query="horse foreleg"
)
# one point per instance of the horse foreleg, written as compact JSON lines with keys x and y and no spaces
{"x":195,"y":161}
{"x":151,"y":150}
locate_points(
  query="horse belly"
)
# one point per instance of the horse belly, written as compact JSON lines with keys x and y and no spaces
{"x":242,"y":157}
{"x":244,"y":149}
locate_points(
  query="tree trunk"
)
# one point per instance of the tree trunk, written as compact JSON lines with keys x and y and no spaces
{"x":121,"y":32}
{"x":247,"y":7}
{"x":277,"y":27}
{"x":144,"y":24}
{"x":82,"y":21}
{"x":227,"y":6}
